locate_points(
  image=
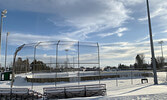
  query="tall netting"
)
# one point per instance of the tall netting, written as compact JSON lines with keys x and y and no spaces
{"x":56,"y":61}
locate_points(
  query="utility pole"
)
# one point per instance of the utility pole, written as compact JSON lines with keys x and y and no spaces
{"x":2,"y":16}
{"x":6,"y":48}
{"x":50,"y":63}
{"x":152,"y":46}
{"x":66,"y":57}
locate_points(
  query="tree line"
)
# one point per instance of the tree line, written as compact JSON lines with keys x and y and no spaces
{"x":140,"y":64}
{"x":24,"y":66}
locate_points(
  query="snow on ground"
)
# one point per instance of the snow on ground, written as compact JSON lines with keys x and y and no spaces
{"x":127,"y":89}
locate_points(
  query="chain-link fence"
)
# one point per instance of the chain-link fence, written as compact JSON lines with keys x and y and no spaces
{"x":73,"y":61}
{"x":55,"y":59}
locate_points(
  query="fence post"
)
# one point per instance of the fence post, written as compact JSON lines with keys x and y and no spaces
{"x":116,"y":79}
{"x":14,"y":59}
{"x":56,"y":60}
{"x":85,"y":90}
{"x":131,"y":78}
{"x":65,"y":92}
{"x":78,"y":66}
{"x":34,"y":62}
{"x":166,"y":75}
{"x":98,"y":61}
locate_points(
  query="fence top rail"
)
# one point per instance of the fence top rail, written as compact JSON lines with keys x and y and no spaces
{"x":58,"y":42}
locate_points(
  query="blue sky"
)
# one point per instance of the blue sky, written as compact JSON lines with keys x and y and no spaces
{"x":119,"y":26}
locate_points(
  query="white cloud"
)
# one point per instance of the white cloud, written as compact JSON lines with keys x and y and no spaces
{"x":86,"y":16}
{"x":157,"y":8}
{"x":20,"y":38}
{"x":158,"y":13}
{"x":132,"y":2}
{"x":125,"y":52}
{"x":8,"y":61}
{"x":146,"y":37}
{"x":142,"y":39}
{"x":110,"y":53}
{"x":119,"y":32}
{"x":165,"y":31}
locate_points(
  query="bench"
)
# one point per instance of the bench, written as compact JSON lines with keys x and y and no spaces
{"x":5,"y":91}
{"x":95,"y":90}
{"x":22,"y":93}
{"x":74,"y":91}
{"x":15,"y":93}
{"x":143,"y":80}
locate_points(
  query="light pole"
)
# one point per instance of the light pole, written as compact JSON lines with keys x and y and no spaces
{"x":152,"y":46}
{"x":50,"y":63}
{"x":2,"y":16}
{"x":67,"y":57}
{"x":161,"y":42}
{"x":73,"y":62}
{"x":6,"y":48}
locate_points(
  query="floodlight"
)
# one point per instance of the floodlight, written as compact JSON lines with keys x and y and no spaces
{"x":4,"y":11}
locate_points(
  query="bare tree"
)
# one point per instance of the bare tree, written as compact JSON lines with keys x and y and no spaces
{"x":140,"y":61}
{"x":160,"y":62}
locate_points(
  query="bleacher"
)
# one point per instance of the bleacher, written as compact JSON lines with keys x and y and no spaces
{"x":74,"y":91}
{"x":18,"y":93}
{"x":53,"y":92}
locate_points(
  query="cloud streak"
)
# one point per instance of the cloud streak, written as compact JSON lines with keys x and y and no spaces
{"x":20,"y":38}
{"x":119,"y":32}
{"x":158,"y":10}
